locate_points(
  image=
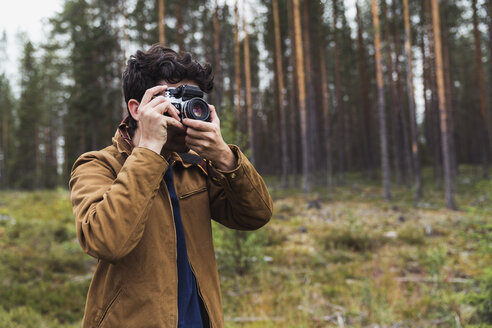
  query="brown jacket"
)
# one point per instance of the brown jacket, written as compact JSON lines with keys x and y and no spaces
{"x":124,"y":219}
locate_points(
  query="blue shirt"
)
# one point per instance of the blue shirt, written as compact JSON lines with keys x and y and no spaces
{"x":189,"y":315}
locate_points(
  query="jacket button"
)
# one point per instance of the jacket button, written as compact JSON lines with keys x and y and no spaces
{"x":233,"y":175}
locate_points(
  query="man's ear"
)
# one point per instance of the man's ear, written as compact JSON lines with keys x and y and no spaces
{"x":133,"y":108}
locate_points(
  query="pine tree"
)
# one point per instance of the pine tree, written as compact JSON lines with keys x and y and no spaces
{"x":28,"y":134}
{"x":411,"y":103}
{"x":381,"y":104}
{"x":442,"y":106}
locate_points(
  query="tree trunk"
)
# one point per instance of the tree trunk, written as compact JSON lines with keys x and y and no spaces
{"x":162,"y":36}
{"x":302,"y":97}
{"x":293,"y":98}
{"x":339,"y":96}
{"x":403,"y":117}
{"x":5,"y":147}
{"x":218,"y":59}
{"x":481,"y":91}
{"x":249,"y":104}
{"x":449,"y":98}
{"x":411,"y":103}
{"x":281,"y":98}
{"x":237,"y":68}
{"x":434,"y":124}
{"x":326,"y":117}
{"x":442,"y":107}
{"x":382,"y":115}
{"x":364,"y":94}
{"x":179,"y":25}
{"x":313,"y":141}
{"x":394,"y":100}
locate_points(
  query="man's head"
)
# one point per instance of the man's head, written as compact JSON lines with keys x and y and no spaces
{"x":145,"y":70}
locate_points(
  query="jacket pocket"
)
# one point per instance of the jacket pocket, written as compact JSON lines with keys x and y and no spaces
{"x":192,"y":192}
{"x":108,"y":307}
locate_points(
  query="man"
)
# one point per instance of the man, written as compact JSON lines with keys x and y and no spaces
{"x":143,"y":206}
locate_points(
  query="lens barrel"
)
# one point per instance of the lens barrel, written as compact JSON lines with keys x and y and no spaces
{"x":197,"y":109}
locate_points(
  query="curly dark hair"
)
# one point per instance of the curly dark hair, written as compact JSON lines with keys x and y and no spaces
{"x":145,"y":70}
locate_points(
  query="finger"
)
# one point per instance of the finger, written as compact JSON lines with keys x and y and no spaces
{"x":167,"y":107}
{"x":151,"y":92}
{"x":213,"y":114}
{"x":170,"y":121}
{"x":198,"y":125}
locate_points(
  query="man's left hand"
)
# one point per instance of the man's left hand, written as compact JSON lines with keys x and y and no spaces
{"x":205,"y":139}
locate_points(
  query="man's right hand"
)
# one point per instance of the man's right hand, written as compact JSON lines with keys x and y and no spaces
{"x":152,"y":122}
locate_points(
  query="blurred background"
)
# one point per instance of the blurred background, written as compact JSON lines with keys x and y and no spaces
{"x":370,"y":121}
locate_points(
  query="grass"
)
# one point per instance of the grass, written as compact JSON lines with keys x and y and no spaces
{"x":326,"y":256}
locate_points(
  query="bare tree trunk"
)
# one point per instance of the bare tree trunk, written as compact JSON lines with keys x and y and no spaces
{"x":481,"y":91}
{"x":326,"y":117}
{"x":293,"y":117}
{"x":403,"y":117}
{"x":281,"y":98}
{"x":179,"y":25}
{"x":364,"y":93}
{"x":411,"y":103}
{"x":162,"y":35}
{"x":249,"y":103}
{"x":394,"y":100}
{"x":237,"y":68}
{"x":5,"y":147}
{"x":218,"y":59}
{"x":310,"y":101}
{"x":382,"y":115}
{"x":434,"y":124}
{"x":302,"y":97}
{"x":442,"y":107}
{"x":449,"y":98}
{"x":339,"y":96}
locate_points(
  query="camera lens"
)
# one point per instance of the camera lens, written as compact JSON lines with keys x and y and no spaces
{"x":196,"y":109}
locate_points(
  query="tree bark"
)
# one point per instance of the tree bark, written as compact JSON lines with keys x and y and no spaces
{"x":326,"y":117}
{"x":293,"y":98}
{"x":281,"y":97}
{"x":339,"y":96}
{"x":249,"y":103}
{"x":237,"y":68}
{"x":364,"y":93}
{"x":382,"y":115}
{"x":162,"y":36}
{"x":411,"y":103}
{"x":394,"y":100}
{"x":403,"y":117}
{"x":301,"y":85}
{"x":313,"y":141}
{"x":481,"y":92}
{"x":218,"y":59}
{"x":442,"y":107}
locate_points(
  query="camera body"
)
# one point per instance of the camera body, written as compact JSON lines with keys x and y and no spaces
{"x":188,"y":100}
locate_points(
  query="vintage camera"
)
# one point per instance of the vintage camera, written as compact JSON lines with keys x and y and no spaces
{"x":188,"y":100}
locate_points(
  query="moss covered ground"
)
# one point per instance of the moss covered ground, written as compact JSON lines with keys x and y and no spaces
{"x":329,"y":258}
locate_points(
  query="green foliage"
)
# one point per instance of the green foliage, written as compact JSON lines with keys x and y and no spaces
{"x":44,"y":273}
{"x":481,"y":298}
{"x":354,"y":237}
{"x":239,"y":252}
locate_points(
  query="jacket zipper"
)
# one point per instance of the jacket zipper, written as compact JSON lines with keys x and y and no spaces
{"x":175,"y":242}
{"x":200,"y":295}
{"x":193,"y":192}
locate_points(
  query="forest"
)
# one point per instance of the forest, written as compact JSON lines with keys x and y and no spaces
{"x":370,"y":121}
{"x":396,"y":87}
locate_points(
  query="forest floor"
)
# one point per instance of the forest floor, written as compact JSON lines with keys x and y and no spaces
{"x":329,"y":258}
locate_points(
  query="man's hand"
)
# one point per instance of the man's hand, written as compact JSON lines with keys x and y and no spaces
{"x":152,"y":122}
{"x":205,"y":138}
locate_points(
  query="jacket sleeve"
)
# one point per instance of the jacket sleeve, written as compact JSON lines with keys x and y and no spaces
{"x":111,"y":209}
{"x":239,"y":199}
